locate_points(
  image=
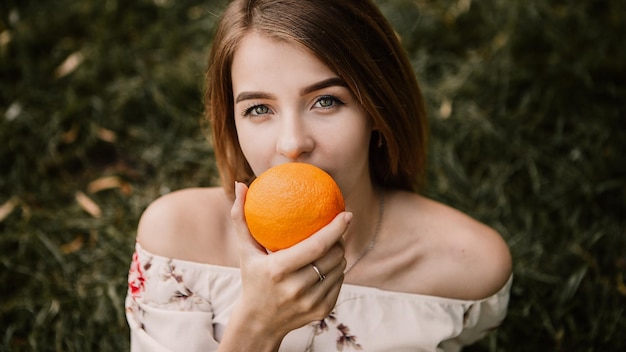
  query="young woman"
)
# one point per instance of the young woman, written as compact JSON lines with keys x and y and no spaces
{"x":324,"y":82}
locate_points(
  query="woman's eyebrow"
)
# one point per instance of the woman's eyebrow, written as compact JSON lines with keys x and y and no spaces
{"x":253,"y":95}
{"x":330,"y":82}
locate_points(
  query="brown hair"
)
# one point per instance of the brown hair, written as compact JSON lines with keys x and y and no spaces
{"x":353,"y":39}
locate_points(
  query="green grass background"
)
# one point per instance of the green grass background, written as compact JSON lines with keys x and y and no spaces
{"x":527,"y":109}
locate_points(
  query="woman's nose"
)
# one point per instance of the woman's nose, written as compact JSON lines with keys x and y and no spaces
{"x":294,"y":138}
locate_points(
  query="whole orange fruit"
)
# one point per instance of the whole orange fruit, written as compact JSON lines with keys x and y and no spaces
{"x":290,"y":202}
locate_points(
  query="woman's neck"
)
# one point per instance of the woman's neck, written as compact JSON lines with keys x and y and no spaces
{"x":367,"y":209}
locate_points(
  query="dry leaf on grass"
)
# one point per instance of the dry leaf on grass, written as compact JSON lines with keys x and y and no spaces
{"x":104,"y":183}
{"x":107,"y":135}
{"x":70,"y":64}
{"x":70,"y":135}
{"x":88,"y":205}
{"x":109,"y":182}
{"x":14,"y":110}
{"x":5,"y":38}
{"x":7,"y":208}
{"x":445,"y":110}
{"x":73,"y":246}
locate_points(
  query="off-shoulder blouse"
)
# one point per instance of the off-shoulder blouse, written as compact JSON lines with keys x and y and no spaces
{"x":178,"y":305}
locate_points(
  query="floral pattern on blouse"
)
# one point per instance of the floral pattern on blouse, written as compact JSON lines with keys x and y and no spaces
{"x":165,"y":292}
{"x":344,"y":338}
{"x":136,"y":279}
{"x":178,"y":296}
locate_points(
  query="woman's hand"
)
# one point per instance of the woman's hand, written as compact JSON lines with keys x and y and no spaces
{"x":282,"y":291}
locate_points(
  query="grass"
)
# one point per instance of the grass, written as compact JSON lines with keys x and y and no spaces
{"x":103,"y":99}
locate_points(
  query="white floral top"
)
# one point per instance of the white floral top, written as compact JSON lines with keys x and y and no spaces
{"x":177,"y":305}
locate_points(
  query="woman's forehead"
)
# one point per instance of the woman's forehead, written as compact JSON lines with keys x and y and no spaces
{"x":261,"y":59}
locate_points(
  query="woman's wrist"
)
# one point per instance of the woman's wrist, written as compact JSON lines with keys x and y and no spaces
{"x":245,"y":333}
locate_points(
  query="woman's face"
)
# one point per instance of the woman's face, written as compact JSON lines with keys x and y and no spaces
{"x":290,"y":107}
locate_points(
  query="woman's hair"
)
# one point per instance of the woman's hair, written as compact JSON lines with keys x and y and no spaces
{"x":354,"y":40}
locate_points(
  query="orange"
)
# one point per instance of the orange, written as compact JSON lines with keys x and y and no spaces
{"x":290,"y":202}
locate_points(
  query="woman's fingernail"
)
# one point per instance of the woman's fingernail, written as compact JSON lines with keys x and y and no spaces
{"x":347,"y":217}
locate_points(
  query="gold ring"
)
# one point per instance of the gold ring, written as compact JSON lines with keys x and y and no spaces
{"x":317,"y":271}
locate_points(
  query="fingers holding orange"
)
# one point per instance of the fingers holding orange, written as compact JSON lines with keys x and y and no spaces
{"x":238,"y":216}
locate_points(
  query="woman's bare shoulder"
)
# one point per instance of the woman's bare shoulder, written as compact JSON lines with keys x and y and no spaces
{"x":471,"y":259}
{"x":190,"y":224}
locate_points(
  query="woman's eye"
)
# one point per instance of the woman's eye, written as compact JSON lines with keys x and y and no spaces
{"x":327,"y":102}
{"x":257,"y":110}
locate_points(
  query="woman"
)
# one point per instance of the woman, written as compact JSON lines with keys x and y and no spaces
{"x":327,"y":83}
